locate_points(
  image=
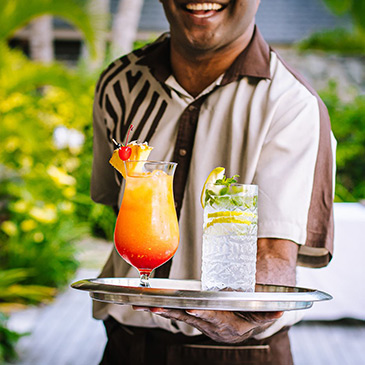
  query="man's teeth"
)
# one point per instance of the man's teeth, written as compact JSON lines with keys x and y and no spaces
{"x":203,"y":6}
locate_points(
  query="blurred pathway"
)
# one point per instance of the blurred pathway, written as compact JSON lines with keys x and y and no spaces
{"x":63,"y":333}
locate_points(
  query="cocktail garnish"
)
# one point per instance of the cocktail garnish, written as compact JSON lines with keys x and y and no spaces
{"x":125,"y":151}
{"x":217,"y":173}
{"x":227,"y":181}
{"x":138,"y":151}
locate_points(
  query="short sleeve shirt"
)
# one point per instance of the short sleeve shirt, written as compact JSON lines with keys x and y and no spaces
{"x":259,"y":120}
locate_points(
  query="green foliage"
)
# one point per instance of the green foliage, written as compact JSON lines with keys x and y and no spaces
{"x":48,"y":205}
{"x":44,"y":188}
{"x":227,"y":181}
{"x":339,"y":40}
{"x":343,"y":41}
{"x":339,"y":6}
{"x":8,"y":340}
{"x":348,"y":125}
{"x":17,"y":13}
{"x":14,"y":294}
{"x":355,"y":8}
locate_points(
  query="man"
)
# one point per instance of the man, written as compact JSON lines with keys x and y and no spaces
{"x":212,"y":93}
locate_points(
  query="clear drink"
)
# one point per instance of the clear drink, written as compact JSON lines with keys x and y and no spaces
{"x":230,"y":237}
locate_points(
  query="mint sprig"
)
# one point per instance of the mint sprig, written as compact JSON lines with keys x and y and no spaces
{"x":212,"y":198}
{"x":227,"y":181}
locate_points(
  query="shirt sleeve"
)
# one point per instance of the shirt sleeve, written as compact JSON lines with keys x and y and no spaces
{"x":294,"y":176}
{"x":104,"y":183}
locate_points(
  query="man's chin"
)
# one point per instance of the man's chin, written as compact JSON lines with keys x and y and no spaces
{"x":202,"y":43}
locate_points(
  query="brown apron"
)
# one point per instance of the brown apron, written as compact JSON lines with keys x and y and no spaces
{"x":144,"y":346}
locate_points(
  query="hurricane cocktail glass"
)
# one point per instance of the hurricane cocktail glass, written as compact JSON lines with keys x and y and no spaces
{"x":146,"y":232}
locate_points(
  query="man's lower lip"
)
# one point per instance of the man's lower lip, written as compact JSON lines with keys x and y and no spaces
{"x":203,"y":14}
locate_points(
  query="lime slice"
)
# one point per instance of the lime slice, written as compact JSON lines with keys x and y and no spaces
{"x":216,"y":174}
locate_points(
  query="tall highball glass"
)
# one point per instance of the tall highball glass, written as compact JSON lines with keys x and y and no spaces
{"x":230,"y":237}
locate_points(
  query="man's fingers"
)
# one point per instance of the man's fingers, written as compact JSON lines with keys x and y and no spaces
{"x":214,"y":317}
{"x":181,"y":315}
{"x":259,"y":317}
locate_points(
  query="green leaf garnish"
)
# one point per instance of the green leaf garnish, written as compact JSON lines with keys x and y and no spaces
{"x":224,"y":196}
{"x":226,"y":181}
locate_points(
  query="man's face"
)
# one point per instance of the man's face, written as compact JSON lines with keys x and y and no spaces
{"x":208,"y":25}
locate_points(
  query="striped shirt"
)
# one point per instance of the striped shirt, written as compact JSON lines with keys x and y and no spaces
{"x":259,"y":120}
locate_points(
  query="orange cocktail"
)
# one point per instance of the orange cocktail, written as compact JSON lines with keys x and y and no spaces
{"x":147,"y":233}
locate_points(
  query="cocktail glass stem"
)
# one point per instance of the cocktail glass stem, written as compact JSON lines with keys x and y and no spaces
{"x":144,"y":279}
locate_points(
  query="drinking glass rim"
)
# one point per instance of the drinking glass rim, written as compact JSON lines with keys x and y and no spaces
{"x":155,"y":162}
{"x":234,"y":184}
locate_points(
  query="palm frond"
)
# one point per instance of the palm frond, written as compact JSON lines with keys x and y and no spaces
{"x":12,"y":276}
{"x":27,"y":293}
{"x":16,"y":14}
{"x":13,"y":293}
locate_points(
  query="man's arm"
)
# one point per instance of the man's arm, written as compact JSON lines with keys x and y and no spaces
{"x":276,"y":262}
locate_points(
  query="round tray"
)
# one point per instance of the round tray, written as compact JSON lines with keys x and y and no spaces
{"x":187,"y":294}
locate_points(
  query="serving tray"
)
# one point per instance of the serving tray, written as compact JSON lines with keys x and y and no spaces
{"x":187,"y":294}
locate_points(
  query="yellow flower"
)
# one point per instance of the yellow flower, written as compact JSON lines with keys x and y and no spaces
{"x":9,"y":228}
{"x":12,"y":143}
{"x":27,"y":162}
{"x":69,"y":192}
{"x":67,"y":207}
{"x":20,"y":206}
{"x":60,"y":177}
{"x":47,"y":214}
{"x":66,"y":110}
{"x":12,"y":102}
{"x":28,"y":225}
{"x":38,"y":237}
{"x":71,"y":164}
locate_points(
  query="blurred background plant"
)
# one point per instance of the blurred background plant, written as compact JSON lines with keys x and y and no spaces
{"x":45,"y":164}
{"x":347,"y":117}
{"x":341,"y":40}
{"x":348,"y":125}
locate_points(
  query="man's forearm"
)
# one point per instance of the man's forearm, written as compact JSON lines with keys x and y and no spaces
{"x":276,"y":261}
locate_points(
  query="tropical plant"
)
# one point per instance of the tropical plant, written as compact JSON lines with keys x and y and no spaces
{"x":354,"y":8}
{"x":339,"y":40}
{"x":41,"y":205}
{"x":15,"y":295}
{"x":16,"y":14}
{"x":348,"y":41}
{"x":49,"y":189}
{"x":348,"y":125}
{"x":8,"y":340}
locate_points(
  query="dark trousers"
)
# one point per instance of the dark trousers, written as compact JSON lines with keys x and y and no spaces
{"x":144,"y":346}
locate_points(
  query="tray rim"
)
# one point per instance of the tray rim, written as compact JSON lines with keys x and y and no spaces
{"x":292,"y":299}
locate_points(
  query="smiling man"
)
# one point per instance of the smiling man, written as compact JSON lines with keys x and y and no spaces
{"x":212,"y":93}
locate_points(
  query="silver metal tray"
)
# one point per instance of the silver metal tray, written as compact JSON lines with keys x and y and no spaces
{"x":187,"y":294}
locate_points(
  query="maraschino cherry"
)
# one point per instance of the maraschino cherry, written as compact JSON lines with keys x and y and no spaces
{"x":124,"y":151}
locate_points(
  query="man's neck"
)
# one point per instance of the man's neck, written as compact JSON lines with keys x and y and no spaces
{"x":195,"y":72}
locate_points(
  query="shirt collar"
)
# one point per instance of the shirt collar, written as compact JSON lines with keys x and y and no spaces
{"x":254,"y":61}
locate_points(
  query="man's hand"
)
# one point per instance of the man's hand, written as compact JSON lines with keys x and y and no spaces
{"x":221,"y":326}
{"x":276,"y":263}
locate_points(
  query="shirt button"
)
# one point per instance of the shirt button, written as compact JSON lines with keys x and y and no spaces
{"x":191,"y":108}
{"x":175,"y":204}
{"x":182,"y":152}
